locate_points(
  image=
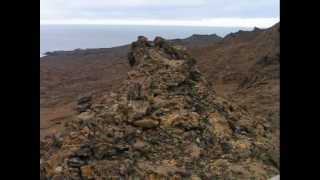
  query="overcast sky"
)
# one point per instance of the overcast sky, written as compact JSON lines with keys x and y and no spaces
{"x":241,"y":13}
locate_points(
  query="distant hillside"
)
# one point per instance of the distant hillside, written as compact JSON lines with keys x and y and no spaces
{"x":198,"y":40}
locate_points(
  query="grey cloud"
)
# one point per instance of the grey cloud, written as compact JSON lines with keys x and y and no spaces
{"x":165,"y":9}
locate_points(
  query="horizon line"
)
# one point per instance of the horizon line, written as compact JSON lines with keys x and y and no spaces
{"x":210,"y":22}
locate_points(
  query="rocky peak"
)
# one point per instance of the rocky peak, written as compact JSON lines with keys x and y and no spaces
{"x":142,"y":48}
{"x":164,"y":73}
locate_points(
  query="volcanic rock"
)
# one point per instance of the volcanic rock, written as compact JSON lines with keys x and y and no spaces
{"x":164,"y":121}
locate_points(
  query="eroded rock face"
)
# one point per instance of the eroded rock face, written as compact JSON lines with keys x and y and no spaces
{"x":163,"y":123}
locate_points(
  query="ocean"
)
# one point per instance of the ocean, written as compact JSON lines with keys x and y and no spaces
{"x":70,"y":37}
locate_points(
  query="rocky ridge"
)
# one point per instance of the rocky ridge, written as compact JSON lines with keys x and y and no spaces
{"x":163,"y":122}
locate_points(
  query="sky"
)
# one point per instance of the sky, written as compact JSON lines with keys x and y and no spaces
{"x":213,"y":13}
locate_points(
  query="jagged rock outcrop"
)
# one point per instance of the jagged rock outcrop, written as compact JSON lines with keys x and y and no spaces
{"x":164,"y":122}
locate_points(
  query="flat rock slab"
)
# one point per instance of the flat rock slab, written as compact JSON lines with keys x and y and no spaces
{"x":275,"y":178}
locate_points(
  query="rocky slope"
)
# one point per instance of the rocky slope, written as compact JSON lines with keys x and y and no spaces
{"x":245,"y":66}
{"x":229,"y":63}
{"x":164,"y":121}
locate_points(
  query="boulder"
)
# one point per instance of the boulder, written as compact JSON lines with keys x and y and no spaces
{"x":143,"y":41}
{"x":58,"y":177}
{"x":85,"y":116}
{"x":84,"y":103}
{"x":84,"y":99}
{"x":75,"y":162}
{"x":139,"y":145}
{"x":220,"y":126}
{"x":137,"y":110}
{"x":58,"y":169}
{"x":182,"y":120}
{"x":194,"y":150}
{"x":146,"y":123}
{"x":159,"y":42}
{"x":87,"y":172}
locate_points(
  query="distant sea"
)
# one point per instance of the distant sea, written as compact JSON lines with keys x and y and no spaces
{"x":70,"y":37}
